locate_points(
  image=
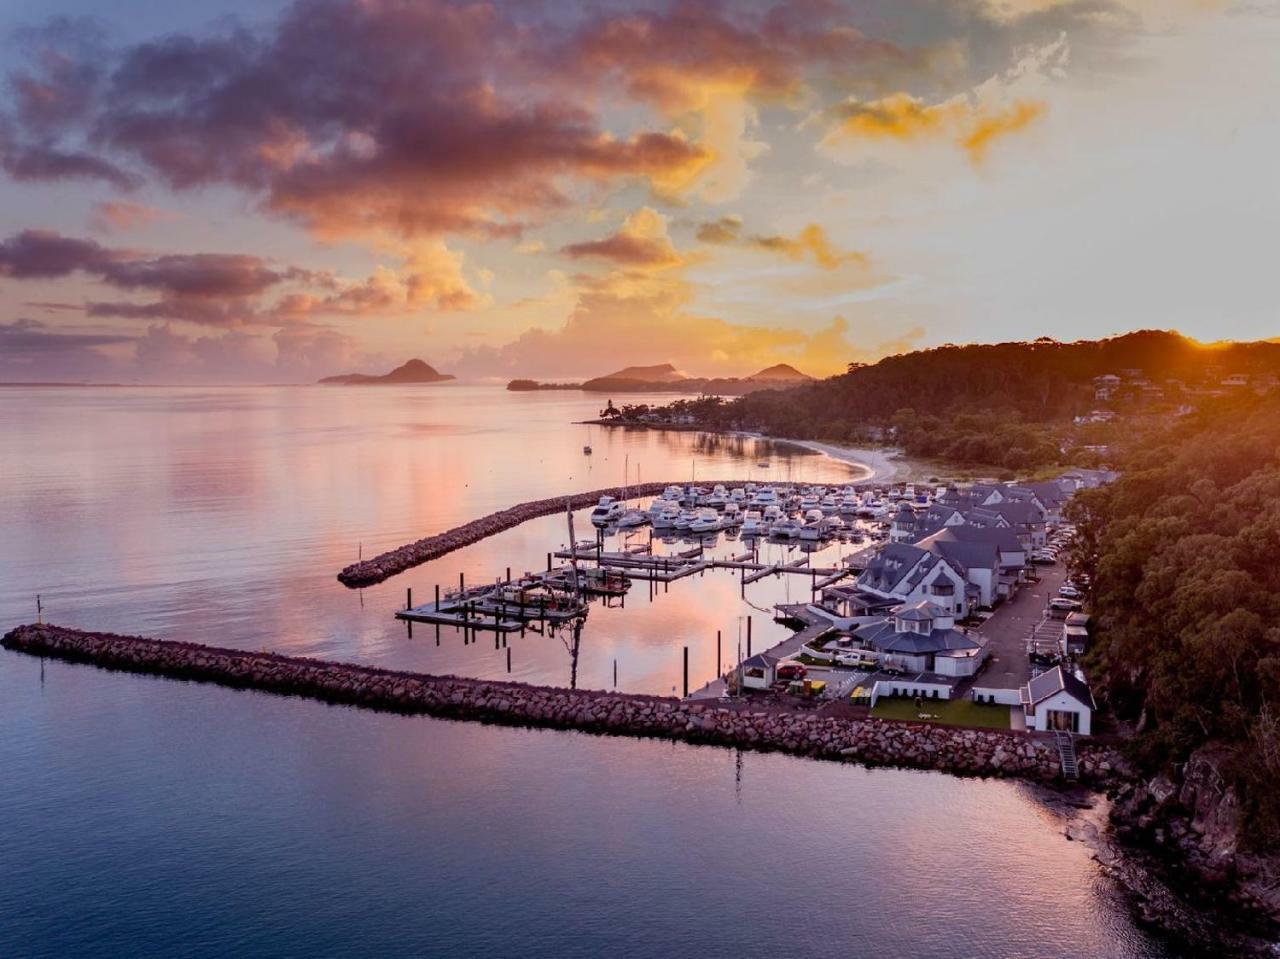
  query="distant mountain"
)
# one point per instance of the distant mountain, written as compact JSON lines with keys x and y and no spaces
{"x":415,"y":371}
{"x":661,"y":373}
{"x":781,"y":373}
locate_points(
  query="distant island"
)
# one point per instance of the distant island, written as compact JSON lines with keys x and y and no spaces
{"x":530,"y":386}
{"x":665,"y":378}
{"x":415,"y":371}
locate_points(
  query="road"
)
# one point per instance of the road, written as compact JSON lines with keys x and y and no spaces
{"x":1007,"y":630}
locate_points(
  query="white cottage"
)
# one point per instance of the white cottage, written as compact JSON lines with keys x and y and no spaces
{"x":1058,"y":701}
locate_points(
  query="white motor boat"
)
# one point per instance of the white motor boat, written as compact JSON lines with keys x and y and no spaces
{"x":771,"y":514}
{"x":765,"y":496}
{"x":717,"y":497}
{"x":787,"y":528}
{"x":732,"y":515}
{"x":705,"y":521}
{"x":753,"y":524}
{"x":632,"y":517}
{"x":607,"y":511}
{"x":684,"y":519}
{"x":813,"y":515}
{"x":663,"y":513}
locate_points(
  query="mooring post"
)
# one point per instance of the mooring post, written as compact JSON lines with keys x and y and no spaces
{"x":748,"y":635}
{"x":686,"y":672}
{"x":615,"y":674}
{"x":462,"y":582}
{"x":408,"y":597}
{"x":719,"y":671}
{"x":508,"y":659}
{"x":437,"y":597}
{"x":508,"y":574}
{"x":571,"y":549}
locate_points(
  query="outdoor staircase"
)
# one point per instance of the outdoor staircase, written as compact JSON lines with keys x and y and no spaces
{"x":1067,"y":755}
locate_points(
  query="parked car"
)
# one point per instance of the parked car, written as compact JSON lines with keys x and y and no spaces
{"x":1068,"y":592}
{"x":1062,"y":604}
{"x":792,"y":670}
{"x":856,"y":660}
{"x":1042,"y":558}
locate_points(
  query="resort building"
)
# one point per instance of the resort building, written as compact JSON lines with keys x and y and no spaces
{"x":922,"y":638}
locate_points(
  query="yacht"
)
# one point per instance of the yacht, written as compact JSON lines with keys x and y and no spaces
{"x":663,"y":513}
{"x":813,"y":515}
{"x":830,"y":503}
{"x":632,"y":517}
{"x":718,"y":497}
{"x":809,"y":500}
{"x":706,"y":520}
{"x":737,"y":495}
{"x":607,"y":511}
{"x":787,"y":528}
{"x":766,"y":496}
{"x":732,"y":515}
{"x":771,"y":514}
{"x":753,"y":524}
{"x":685,"y":518}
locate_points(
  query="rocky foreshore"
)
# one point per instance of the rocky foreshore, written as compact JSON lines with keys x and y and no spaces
{"x":868,"y":741}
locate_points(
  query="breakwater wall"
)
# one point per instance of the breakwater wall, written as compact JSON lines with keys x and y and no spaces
{"x":805,"y":733}
{"x":384,"y":566}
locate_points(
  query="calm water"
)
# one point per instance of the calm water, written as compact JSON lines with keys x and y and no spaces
{"x":148,"y":817}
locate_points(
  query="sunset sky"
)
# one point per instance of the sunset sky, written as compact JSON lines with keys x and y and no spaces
{"x":242,"y":191}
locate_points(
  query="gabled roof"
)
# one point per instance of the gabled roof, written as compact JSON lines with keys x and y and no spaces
{"x":1058,"y":680}
{"x":973,"y":546}
{"x":760,"y":661}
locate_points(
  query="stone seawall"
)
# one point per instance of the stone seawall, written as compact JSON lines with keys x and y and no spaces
{"x":386,"y":565}
{"x":869,"y":741}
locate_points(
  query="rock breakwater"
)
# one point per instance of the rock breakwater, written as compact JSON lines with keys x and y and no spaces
{"x":372,"y":571}
{"x":804,"y":733}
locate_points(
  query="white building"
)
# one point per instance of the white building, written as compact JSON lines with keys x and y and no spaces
{"x":759,"y":671}
{"x":1058,"y":701}
{"x":922,"y":638}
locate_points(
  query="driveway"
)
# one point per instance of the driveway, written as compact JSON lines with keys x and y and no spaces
{"x":1006,"y":632}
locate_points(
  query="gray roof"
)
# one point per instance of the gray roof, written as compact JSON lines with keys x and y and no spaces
{"x":884,"y":637}
{"x":917,"y":612}
{"x":973,"y":547}
{"x":760,"y":661}
{"x":1058,"y":680}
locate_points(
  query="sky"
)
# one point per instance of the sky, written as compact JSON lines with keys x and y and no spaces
{"x":272,"y":191}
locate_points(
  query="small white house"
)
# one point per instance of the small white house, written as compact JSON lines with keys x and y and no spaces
{"x":1058,"y":701}
{"x":759,"y":671}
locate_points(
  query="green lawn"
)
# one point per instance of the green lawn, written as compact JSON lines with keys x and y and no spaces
{"x":957,"y":712}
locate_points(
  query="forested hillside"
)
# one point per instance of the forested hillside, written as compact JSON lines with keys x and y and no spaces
{"x":1183,"y":553}
{"x":983,"y":404}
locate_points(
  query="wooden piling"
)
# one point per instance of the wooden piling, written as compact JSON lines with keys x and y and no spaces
{"x":748,"y":636}
{"x":686,"y":672}
{"x":719,"y":671}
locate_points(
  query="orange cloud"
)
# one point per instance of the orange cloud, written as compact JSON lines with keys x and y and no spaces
{"x":811,"y":242}
{"x":971,"y":125}
{"x":640,"y":242}
{"x":121,"y":216}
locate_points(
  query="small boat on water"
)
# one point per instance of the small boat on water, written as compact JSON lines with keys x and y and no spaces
{"x":586,"y":450}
